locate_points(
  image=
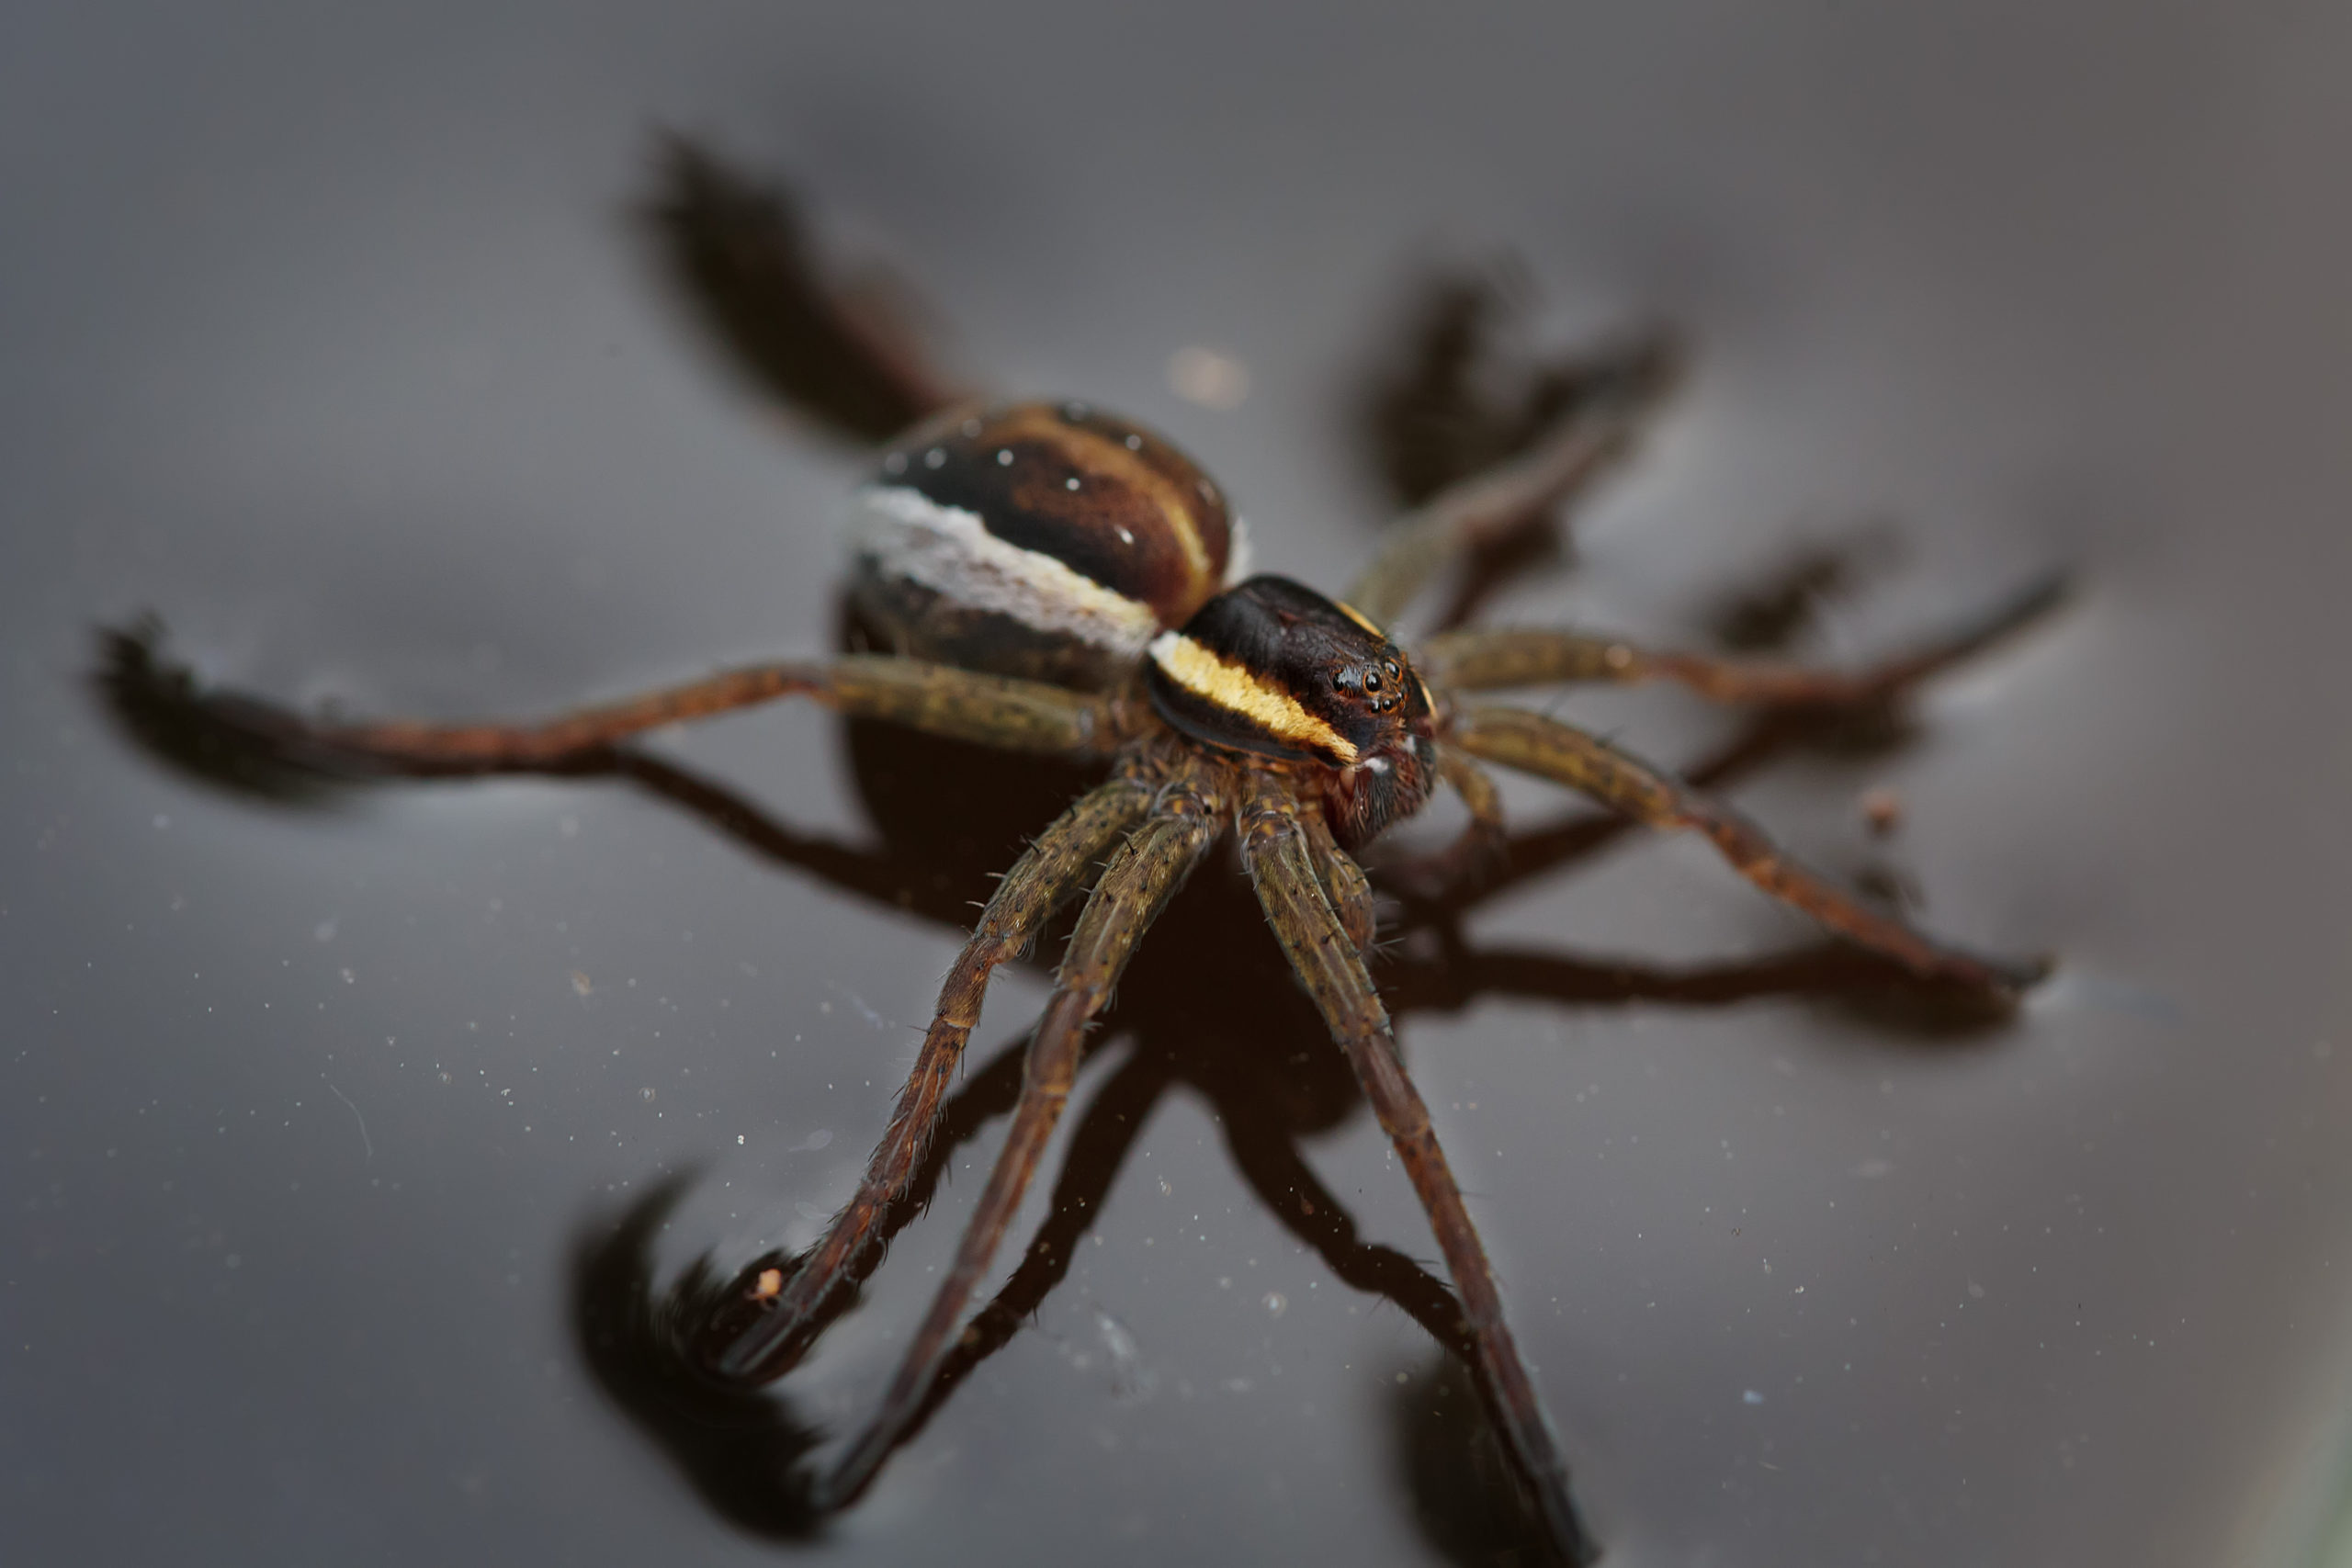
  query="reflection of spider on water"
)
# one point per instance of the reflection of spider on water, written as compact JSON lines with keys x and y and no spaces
{"x":1058,"y":583}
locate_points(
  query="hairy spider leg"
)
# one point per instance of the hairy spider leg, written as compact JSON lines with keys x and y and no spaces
{"x":1328,"y":963}
{"x":1494,"y":659}
{"x":1471,"y":512}
{"x":938,"y":699}
{"x":1185,"y":820}
{"x":1343,"y":881}
{"x":1622,"y":782}
{"x":1052,"y":870}
{"x":1098,"y":1147}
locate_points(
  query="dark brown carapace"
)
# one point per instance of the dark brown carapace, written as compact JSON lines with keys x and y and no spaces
{"x":1273,"y":668}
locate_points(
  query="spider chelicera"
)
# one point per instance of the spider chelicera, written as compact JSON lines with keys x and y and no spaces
{"x":1053,"y":580}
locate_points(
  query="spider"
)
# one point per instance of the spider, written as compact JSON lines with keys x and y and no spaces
{"x":1050,"y":580}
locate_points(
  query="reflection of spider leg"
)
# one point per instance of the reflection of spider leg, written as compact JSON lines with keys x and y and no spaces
{"x":1478,"y":848}
{"x":1157,"y":857}
{"x":1617,"y":779}
{"x":1459,"y":977}
{"x":1486,"y":506}
{"x":737,"y":249}
{"x":1334,"y":975}
{"x":938,"y":699}
{"x":1054,"y":867}
{"x":1269,"y":1161}
{"x":1486,"y":661}
{"x":1098,"y":1147}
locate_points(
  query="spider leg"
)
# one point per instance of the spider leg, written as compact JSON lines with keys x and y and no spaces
{"x":1054,"y":867}
{"x":1342,"y":881}
{"x":1486,"y":506}
{"x":1148,"y":868}
{"x":1487,"y":661}
{"x":939,"y":699}
{"x":1333,"y":973}
{"x":1566,"y":755}
{"x":737,"y":249}
{"x":1099,"y":1144}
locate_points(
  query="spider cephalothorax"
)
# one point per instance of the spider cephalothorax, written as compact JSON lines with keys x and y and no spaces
{"x":1053,"y":580}
{"x":1273,"y":668}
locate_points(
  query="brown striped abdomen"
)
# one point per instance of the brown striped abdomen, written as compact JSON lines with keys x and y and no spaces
{"x":1045,"y":540}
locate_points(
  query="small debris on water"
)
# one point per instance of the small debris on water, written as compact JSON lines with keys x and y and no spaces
{"x":1203,"y":376}
{"x":1131,"y":1380}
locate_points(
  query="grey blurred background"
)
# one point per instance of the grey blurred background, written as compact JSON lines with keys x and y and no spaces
{"x":324,"y":333}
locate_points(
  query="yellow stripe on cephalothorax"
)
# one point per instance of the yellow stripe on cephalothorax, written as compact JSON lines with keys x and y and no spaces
{"x":1360,"y":619}
{"x":1233,"y":688}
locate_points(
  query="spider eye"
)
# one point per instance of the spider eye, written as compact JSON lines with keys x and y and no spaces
{"x":1372,"y":680}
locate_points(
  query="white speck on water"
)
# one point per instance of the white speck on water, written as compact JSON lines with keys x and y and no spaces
{"x":863,"y":1011}
{"x":1131,"y":1380}
{"x":1872,"y":1169}
{"x":323,"y":930}
{"x":818,"y":1139}
{"x":1275,"y":1303}
{"x":1751,"y":1397}
{"x":1975,"y":1291}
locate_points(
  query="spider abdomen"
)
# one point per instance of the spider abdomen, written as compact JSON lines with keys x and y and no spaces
{"x":1048,"y":540}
